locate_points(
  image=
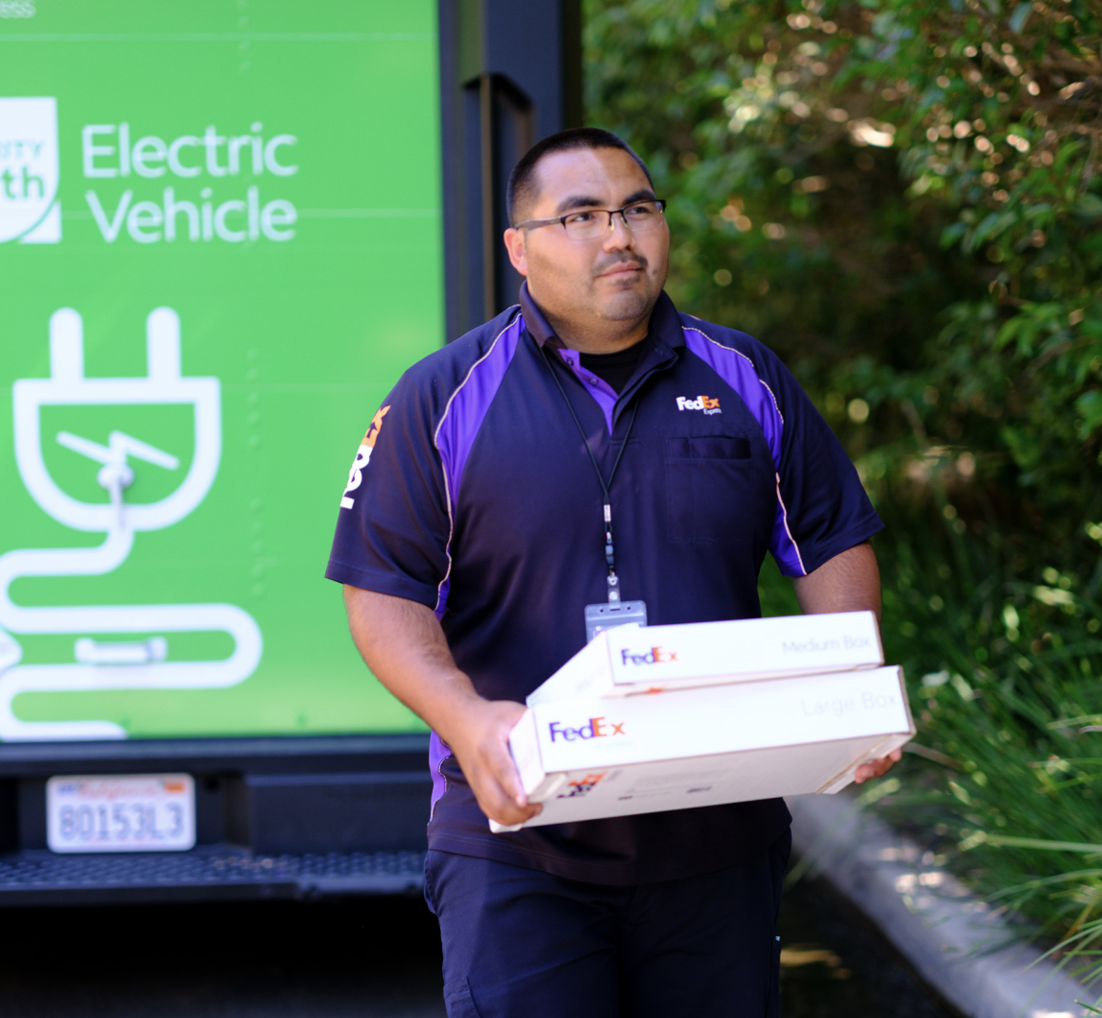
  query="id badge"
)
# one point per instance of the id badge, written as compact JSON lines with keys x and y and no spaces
{"x":599,"y":617}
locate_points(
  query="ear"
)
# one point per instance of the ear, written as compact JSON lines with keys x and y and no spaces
{"x":514,"y":244}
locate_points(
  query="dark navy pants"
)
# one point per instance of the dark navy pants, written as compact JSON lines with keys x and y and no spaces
{"x":521,"y":943}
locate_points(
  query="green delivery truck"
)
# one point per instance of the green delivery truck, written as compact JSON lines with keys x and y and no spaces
{"x":226,"y":228}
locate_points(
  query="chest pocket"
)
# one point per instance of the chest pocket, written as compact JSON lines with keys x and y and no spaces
{"x":716,"y":489}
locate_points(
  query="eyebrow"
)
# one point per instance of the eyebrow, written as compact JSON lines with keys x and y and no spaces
{"x":579,"y":201}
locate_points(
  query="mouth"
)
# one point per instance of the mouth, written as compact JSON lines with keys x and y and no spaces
{"x":622,"y":270}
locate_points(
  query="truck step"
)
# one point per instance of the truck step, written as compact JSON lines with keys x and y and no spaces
{"x":36,"y":877}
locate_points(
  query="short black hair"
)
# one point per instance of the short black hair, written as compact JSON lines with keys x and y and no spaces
{"x":522,"y":181}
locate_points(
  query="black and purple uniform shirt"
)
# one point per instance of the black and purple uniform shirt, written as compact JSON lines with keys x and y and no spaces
{"x":473,"y":494}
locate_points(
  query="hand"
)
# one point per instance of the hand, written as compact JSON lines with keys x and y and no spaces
{"x":878,"y":768}
{"x":480,"y":741}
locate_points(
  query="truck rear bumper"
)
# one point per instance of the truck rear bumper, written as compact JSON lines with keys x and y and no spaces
{"x":275,"y":818}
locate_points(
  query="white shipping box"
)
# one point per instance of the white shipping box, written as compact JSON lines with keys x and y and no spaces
{"x":649,"y":659}
{"x":592,"y":757}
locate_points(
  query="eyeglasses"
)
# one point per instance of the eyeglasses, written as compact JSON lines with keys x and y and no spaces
{"x":588,"y":224}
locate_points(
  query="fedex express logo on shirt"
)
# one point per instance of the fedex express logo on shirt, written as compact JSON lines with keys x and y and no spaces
{"x":709,"y":404}
{"x":594,"y":728}
{"x":654,"y":656}
{"x":363,"y":457}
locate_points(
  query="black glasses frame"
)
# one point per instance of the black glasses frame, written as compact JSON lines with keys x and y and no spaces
{"x":530,"y":224}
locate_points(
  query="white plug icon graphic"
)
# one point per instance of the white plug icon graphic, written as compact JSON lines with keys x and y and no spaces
{"x":67,"y":386}
{"x":112,"y":664}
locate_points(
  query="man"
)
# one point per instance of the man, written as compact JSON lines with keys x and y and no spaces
{"x":472,"y":535}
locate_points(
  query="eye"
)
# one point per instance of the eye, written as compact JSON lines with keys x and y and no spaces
{"x":644,"y":211}
{"x":580,"y":218}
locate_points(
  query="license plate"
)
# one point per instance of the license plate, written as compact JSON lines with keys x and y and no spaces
{"x":121,"y":813}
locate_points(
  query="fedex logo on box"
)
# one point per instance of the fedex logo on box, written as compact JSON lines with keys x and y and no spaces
{"x":652,"y":656}
{"x":594,"y":728}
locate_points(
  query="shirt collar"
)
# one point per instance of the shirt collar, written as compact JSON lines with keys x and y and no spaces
{"x":665,"y":325}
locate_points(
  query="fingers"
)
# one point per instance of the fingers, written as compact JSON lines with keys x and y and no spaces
{"x":877,"y":768}
{"x":488,"y":764}
{"x":502,"y":800}
{"x":503,"y":768}
{"x":506,"y":788}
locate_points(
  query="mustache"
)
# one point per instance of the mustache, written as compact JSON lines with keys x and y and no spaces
{"x":617,"y":261}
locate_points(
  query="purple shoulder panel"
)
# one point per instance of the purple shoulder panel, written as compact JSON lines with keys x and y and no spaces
{"x":739,"y":372}
{"x":463,"y":416}
{"x":466,"y":410}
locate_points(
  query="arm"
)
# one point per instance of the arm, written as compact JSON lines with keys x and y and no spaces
{"x":402,"y":643}
{"x":848,"y":582}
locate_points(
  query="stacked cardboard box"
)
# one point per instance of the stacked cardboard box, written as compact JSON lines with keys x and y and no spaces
{"x":654,"y":718}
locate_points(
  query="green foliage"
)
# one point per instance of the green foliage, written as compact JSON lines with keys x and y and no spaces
{"x":904,"y":200}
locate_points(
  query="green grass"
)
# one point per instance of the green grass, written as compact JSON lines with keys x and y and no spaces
{"x":1005,"y":679}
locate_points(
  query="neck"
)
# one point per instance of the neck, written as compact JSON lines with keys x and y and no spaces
{"x":599,"y":335}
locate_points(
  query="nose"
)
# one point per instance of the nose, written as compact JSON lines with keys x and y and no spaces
{"x":618,"y":237}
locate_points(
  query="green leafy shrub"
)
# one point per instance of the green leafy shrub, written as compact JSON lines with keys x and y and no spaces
{"x":903,"y":200}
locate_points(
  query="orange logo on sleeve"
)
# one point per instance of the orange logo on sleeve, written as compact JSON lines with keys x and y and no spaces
{"x":375,"y":426}
{"x":363,"y":457}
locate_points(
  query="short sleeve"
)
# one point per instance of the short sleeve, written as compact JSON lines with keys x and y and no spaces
{"x":393,"y":525}
{"x":822,"y":506}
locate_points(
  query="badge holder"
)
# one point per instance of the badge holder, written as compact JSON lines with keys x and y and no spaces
{"x":599,"y":617}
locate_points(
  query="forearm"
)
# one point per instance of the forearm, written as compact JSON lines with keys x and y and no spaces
{"x":848,"y":582}
{"x":402,"y":643}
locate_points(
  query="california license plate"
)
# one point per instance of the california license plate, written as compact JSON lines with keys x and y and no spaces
{"x":121,"y":813}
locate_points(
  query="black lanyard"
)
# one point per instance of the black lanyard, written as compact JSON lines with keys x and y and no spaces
{"x":610,"y":557}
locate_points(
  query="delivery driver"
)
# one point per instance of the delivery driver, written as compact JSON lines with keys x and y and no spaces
{"x":472,"y":537}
